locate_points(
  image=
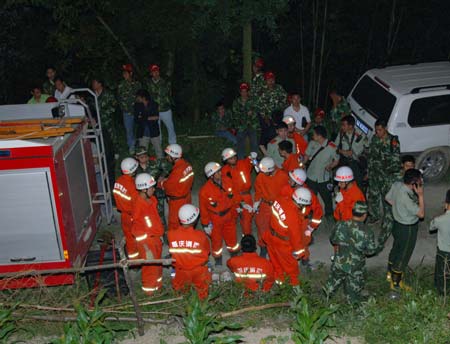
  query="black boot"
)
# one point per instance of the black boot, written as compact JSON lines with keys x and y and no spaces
{"x":218,"y":261}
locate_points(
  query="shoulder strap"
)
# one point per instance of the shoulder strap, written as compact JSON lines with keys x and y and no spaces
{"x":316,"y":153}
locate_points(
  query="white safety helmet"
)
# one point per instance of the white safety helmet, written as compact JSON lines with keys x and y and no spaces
{"x":302,"y":196}
{"x":288,"y":119}
{"x":344,"y":174}
{"x":267,"y":165}
{"x":174,"y":150}
{"x":129,"y":165}
{"x":144,"y":181}
{"x":188,"y":214}
{"x":298,"y":176}
{"x":228,"y":153}
{"x":211,"y":168}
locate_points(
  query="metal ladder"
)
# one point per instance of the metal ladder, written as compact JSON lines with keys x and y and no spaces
{"x":103,"y":196}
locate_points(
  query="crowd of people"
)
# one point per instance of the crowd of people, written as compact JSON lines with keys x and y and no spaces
{"x":297,"y":160}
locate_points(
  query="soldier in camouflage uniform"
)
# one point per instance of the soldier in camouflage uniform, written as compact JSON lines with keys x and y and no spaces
{"x":126,"y":94}
{"x":48,"y":87}
{"x":354,"y":242}
{"x":161,"y":92}
{"x":383,"y":163}
{"x":107,"y":104}
{"x":350,"y":146}
{"x":408,"y":162}
{"x":221,"y":120}
{"x":339,"y":109}
{"x":157,"y":168}
{"x":245,"y":120}
{"x":270,"y":106}
{"x":258,"y":77}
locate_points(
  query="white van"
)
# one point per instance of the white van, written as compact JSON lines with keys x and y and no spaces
{"x":415,"y":102}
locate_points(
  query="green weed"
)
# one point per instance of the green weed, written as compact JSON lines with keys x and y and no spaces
{"x":90,"y":327}
{"x":8,"y":325}
{"x":200,"y":325}
{"x":311,"y":326}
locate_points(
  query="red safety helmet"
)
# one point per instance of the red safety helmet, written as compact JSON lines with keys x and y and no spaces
{"x":269,"y":75}
{"x":319,"y":112}
{"x":127,"y":67}
{"x":244,"y":86}
{"x":153,"y":68}
{"x":259,"y":62}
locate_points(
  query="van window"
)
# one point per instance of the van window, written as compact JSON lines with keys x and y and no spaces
{"x":430,"y":111}
{"x":374,"y":98}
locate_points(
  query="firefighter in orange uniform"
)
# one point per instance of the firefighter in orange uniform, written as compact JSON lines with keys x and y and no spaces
{"x":190,"y":248}
{"x":239,"y":173}
{"x":297,"y":178}
{"x":124,"y":194}
{"x":268,"y":185}
{"x":285,"y":240}
{"x":291,"y":159}
{"x":178,"y":184}
{"x":349,"y":193}
{"x":300,"y":142}
{"x":217,"y":212}
{"x":147,"y":230}
{"x":253,"y":271}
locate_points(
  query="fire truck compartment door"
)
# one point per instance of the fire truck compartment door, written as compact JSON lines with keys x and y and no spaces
{"x":29,"y":230}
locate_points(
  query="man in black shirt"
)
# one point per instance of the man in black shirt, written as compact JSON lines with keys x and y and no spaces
{"x":146,"y":114}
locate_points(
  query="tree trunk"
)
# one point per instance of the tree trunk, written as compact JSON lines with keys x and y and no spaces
{"x":247,"y":52}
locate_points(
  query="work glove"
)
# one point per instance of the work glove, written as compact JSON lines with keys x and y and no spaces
{"x":247,"y":207}
{"x":339,"y":197}
{"x":309,"y":231}
{"x":256,"y":206}
{"x":239,"y":210}
{"x":253,"y":155}
{"x":208,"y":229}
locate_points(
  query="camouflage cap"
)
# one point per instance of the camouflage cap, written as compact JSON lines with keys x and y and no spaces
{"x":360,"y":207}
{"x":141,"y":151}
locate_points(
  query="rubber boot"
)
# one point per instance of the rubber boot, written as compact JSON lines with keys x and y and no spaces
{"x":397,"y":282}
{"x":389,"y":272}
{"x":263,"y":252}
{"x":218,"y":261}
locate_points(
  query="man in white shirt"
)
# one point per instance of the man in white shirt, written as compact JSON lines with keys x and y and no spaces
{"x":300,"y":114}
{"x":62,"y":90}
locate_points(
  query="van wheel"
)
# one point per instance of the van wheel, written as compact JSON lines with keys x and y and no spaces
{"x":434,"y":163}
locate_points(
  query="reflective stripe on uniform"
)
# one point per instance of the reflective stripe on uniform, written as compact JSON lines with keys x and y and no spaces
{"x":299,"y":251}
{"x":218,"y":252}
{"x":182,"y":180}
{"x":133,"y":255}
{"x":159,"y":279}
{"x":118,"y":193}
{"x":278,"y":282}
{"x":252,"y":276}
{"x":184,"y":250}
{"x":147,"y":221}
{"x":141,"y":237}
{"x":316,"y":221}
{"x":243,"y":177}
{"x":233,"y":248}
{"x":149,"y":289}
{"x":282,"y":224}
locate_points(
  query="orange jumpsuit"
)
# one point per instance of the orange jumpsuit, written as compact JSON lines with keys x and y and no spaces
{"x":147,"y":230}
{"x":351,"y":195}
{"x":300,"y":143}
{"x":240,"y":179}
{"x":267,"y":189}
{"x":252,"y":270}
{"x":190,"y":249}
{"x":291,"y":163}
{"x":124,"y":194}
{"x":311,"y":215}
{"x":216,"y":206}
{"x":285,"y":240}
{"x":178,"y":187}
